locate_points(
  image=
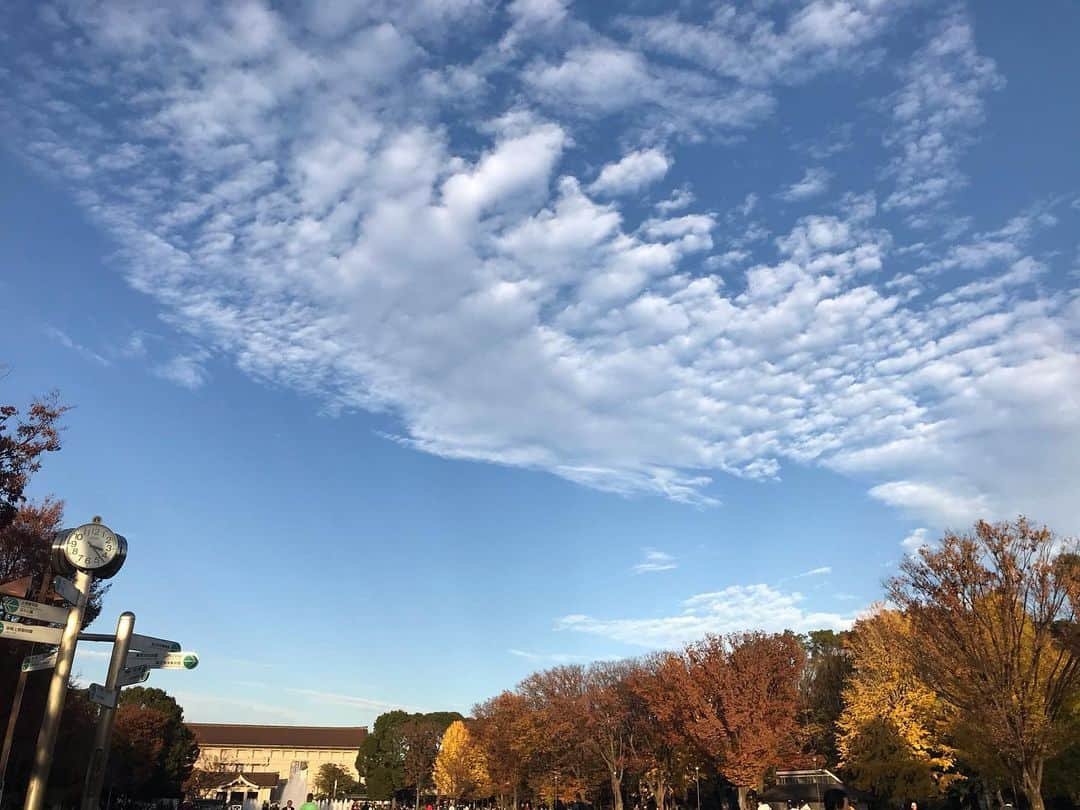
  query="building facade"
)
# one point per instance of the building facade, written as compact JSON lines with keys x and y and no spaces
{"x":250,"y":749}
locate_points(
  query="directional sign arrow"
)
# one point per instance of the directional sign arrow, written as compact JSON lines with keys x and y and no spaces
{"x":149,"y":659}
{"x":32,"y":663}
{"x":132,"y":675}
{"x":180,"y":660}
{"x":151,"y":644}
{"x":30,"y":632}
{"x":103,"y":697}
{"x":34,"y":610}
{"x":67,"y":590}
{"x":16,"y":587}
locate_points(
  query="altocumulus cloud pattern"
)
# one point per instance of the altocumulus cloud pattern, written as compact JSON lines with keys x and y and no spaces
{"x":549,"y":236}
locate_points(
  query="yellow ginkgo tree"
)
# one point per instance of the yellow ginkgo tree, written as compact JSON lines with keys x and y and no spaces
{"x":460,"y":767}
{"x":893,"y":728}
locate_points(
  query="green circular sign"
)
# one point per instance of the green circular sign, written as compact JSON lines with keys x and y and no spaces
{"x":1,"y":628}
{"x":191,"y":661}
{"x":11,"y":604}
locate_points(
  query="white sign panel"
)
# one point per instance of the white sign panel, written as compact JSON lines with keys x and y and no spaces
{"x":103,"y":697}
{"x":66,"y":588}
{"x":151,"y":644}
{"x":136,"y":658}
{"x":32,"y":663}
{"x":132,"y":675}
{"x":180,"y":660}
{"x":34,"y":610}
{"x":30,"y":632}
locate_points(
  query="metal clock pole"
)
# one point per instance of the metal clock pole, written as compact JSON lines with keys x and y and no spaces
{"x":99,"y":755}
{"x":58,"y":687}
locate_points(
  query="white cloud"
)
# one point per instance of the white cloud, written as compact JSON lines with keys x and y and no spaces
{"x":814,"y":183}
{"x":65,"y":340}
{"x":334,"y":235}
{"x":815,"y":572}
{"x":944,"y":506}
{"x":632,"y":172}
{"x":936,"y":114}
{"x":733,"y":609}
{"x":186,"y":370}
{"x":680,"y":198}
{"x":916,"y":540}
{"x":655,"y":561}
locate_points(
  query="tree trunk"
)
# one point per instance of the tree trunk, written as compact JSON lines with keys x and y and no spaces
{"x":659,"y":792}
{"x":1032,"y":784}
{"x":743,"y":789}
{"x":616,"y":792}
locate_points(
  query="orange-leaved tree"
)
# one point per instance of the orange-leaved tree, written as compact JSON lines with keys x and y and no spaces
{"x":744,"y":693}
{"x":503,"y":731}
{"x":986,"y":612}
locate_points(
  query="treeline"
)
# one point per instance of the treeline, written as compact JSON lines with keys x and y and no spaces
{"x":964,"y":692}
{"x":152,"y":750}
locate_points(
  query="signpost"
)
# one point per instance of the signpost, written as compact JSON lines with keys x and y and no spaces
{"x":103,"y":696}
{"x":58,"y":686}
{"x":16,"y":587}
{"x":34,"y":610}
{"x":132,"y":675}
{"x":149,"y":644}
{"x":89,"y":551}
{"x":31,"y":632}
{"x":32,"y":663}
{"x":67,"y":590}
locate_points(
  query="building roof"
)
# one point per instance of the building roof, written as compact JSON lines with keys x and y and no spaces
{"x":237,"y":734}
{"x":262,"y":779}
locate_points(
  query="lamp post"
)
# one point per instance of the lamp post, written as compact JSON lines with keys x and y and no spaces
{"x":697,"y":786}
{"x":555,"y":798}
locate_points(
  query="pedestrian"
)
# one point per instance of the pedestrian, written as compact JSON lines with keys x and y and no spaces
{"x":310,"y":803}
{"x":836,"y":799}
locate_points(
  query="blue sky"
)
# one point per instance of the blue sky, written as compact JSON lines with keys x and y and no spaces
{"x":416,"y":349}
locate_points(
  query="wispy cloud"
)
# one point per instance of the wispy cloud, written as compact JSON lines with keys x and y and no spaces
{"x":65,"y":340}
{"x":655,"y":561}
{"x":735,"y":608}
{"x":814,"y":183}
{"x":814,"y":572}
{"x":355,"y":701}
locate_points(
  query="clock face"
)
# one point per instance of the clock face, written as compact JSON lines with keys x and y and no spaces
{"x":91,"y":546}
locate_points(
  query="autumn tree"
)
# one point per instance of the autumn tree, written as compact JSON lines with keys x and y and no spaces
{"x":460,"y":766}
{"x":420,"y":737}
{"x":662,"y":755}
{"x":893,"y":728}
{"x":743,"y":691}
{"x":503,"y":731}
{"x":153,"y":752}
{"x":985,"y":611}
{"x":332,"y":780}
{"x":24,"y":440}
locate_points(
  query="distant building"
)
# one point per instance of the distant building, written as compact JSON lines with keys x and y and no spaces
{"x":250,"y":757}
{"x":238,"y":788}
{"x":808,"y":785}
